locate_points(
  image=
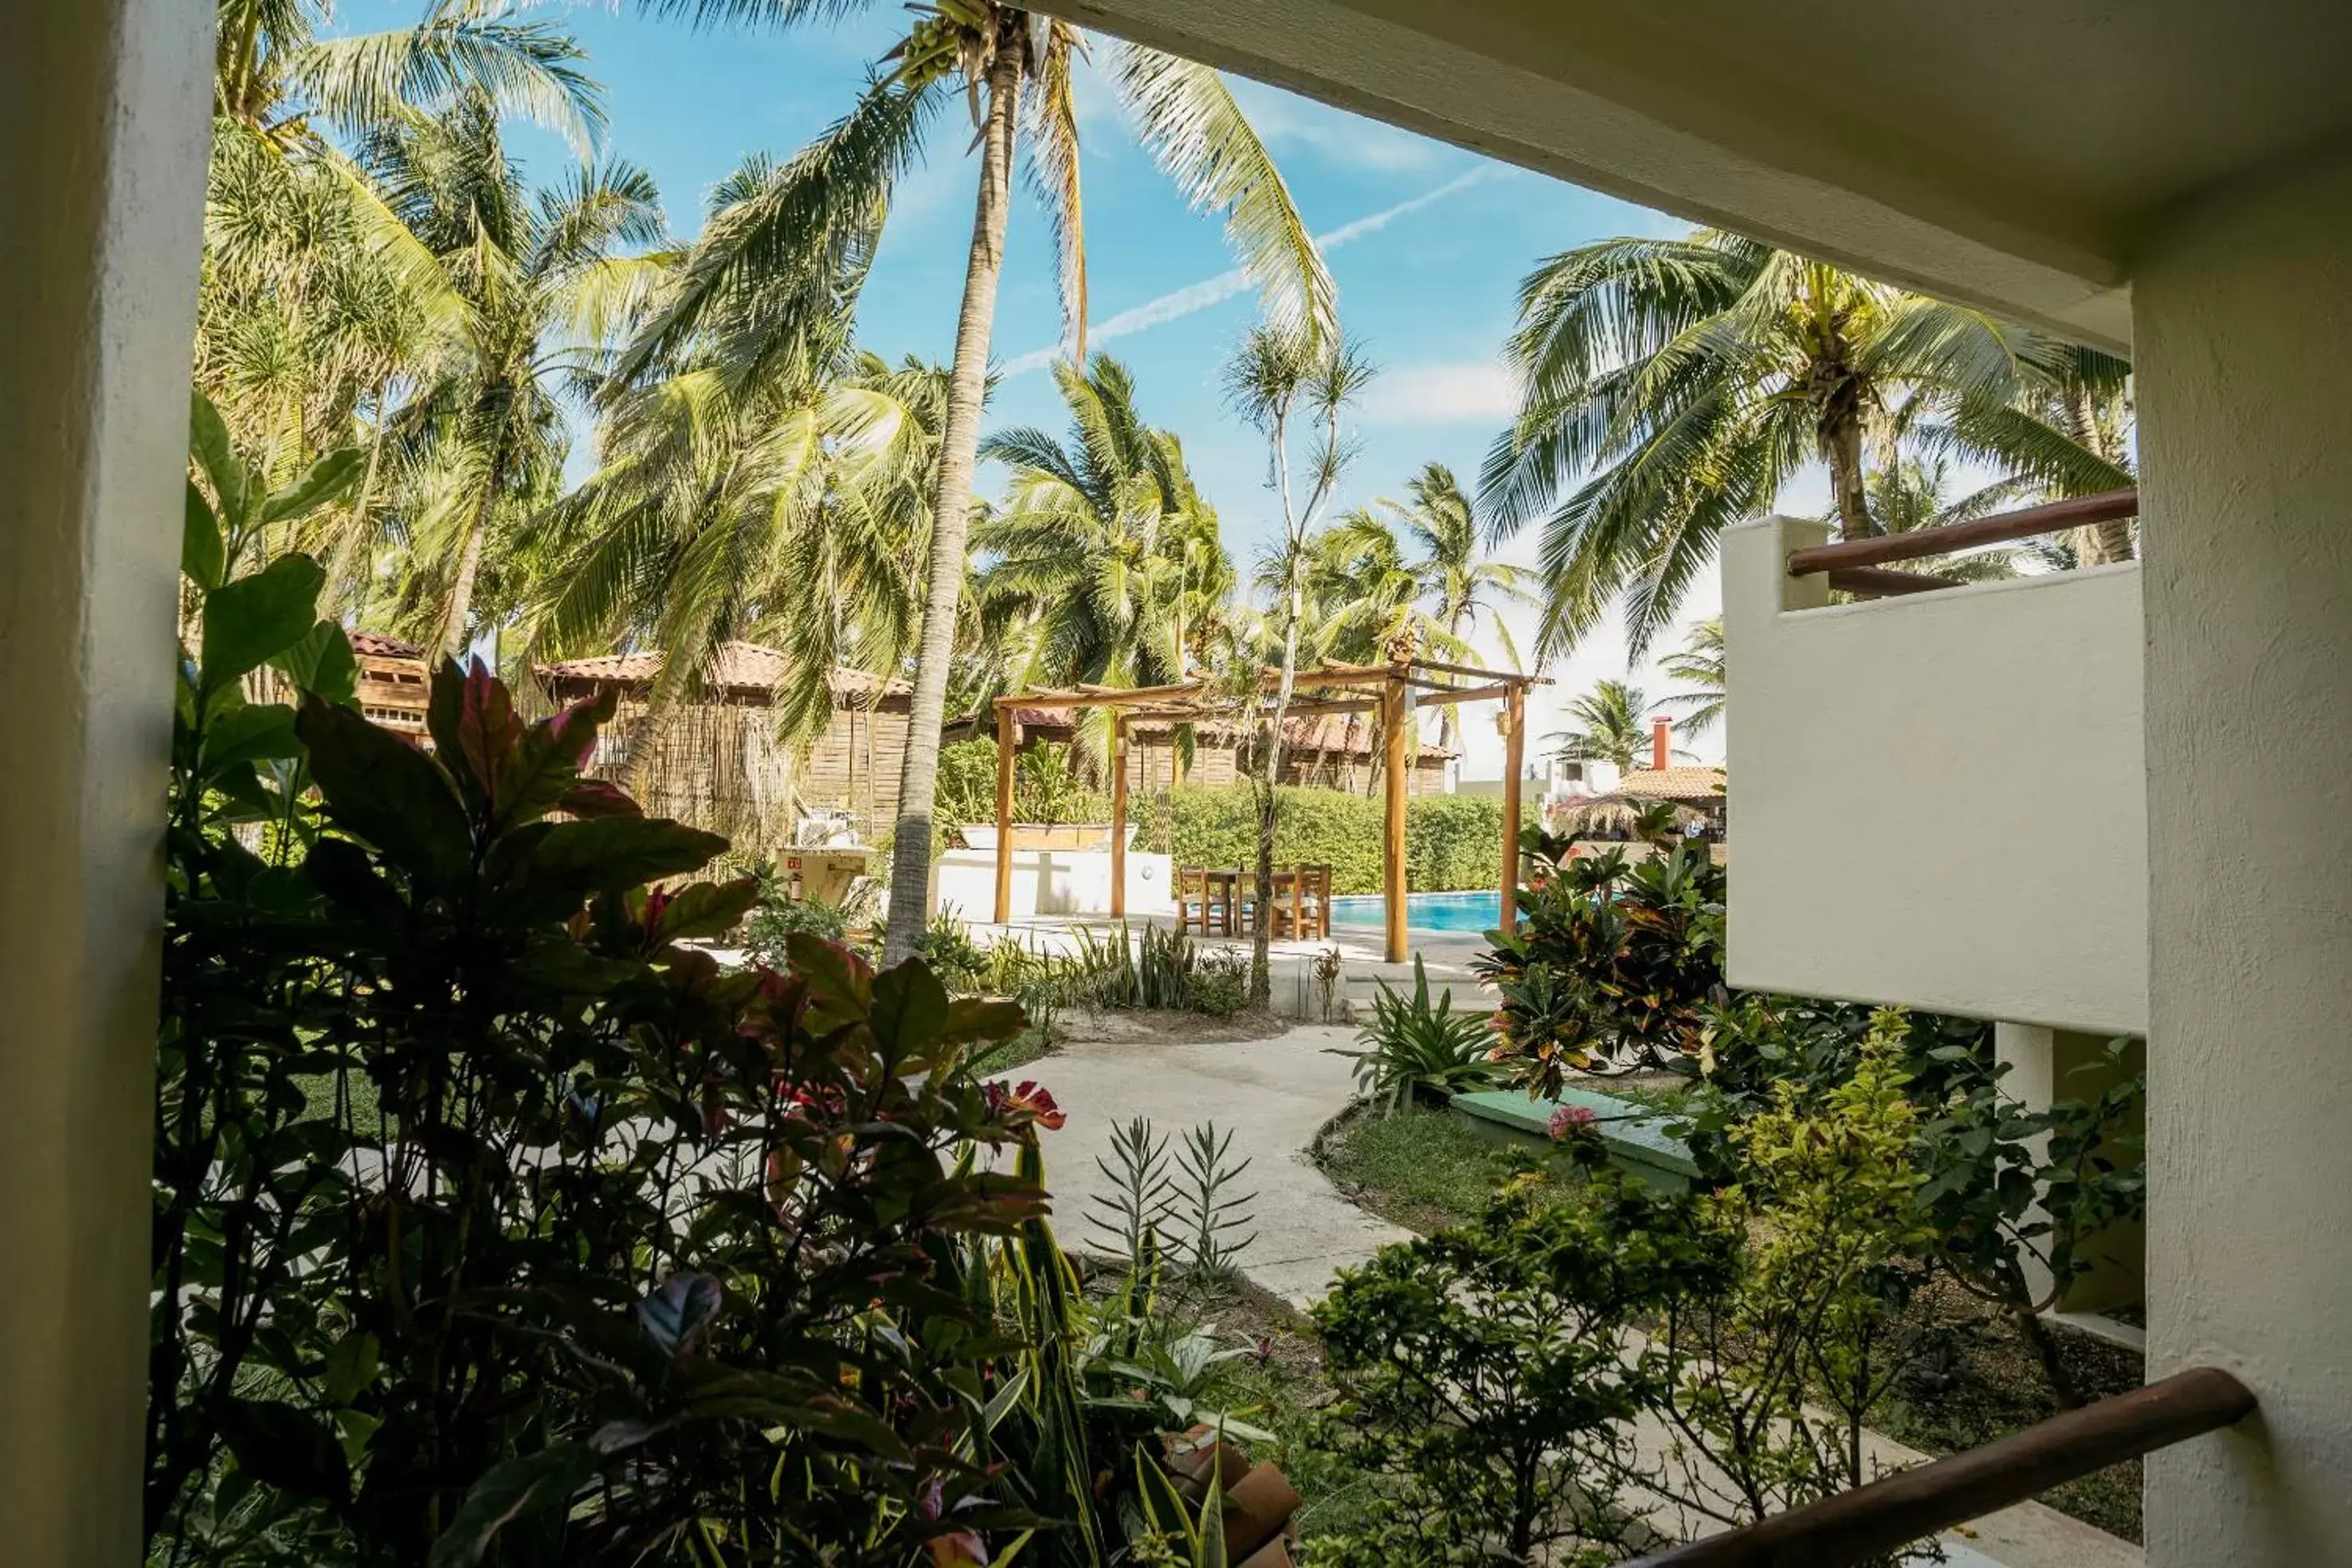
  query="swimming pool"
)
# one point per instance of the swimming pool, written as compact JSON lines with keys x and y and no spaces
{"x":1423,"y":912}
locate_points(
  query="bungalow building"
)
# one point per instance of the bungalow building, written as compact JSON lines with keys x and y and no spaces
{"x":713,"y":758}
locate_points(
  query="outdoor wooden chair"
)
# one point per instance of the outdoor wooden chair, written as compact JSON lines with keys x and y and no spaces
{"x":1207,"y":900}
{"x":1302,"y":903}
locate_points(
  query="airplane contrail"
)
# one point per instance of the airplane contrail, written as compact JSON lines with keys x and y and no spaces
{"x":1192,"y":297}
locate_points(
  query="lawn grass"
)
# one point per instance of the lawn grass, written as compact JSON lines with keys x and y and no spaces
{"x":1028,"y":1046}
{"x":1422,"y":1169}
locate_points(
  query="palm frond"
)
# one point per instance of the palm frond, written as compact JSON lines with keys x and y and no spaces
{"x":1187,"y":117}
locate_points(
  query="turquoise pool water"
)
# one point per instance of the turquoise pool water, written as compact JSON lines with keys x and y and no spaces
{"x":1423,"y":912}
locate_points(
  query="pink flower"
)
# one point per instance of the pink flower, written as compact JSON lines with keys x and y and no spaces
{"x":1570,"y":1121}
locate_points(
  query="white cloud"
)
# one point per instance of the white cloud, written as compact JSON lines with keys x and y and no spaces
{"x":1194,"y":296}
{"x":1474,"y":391}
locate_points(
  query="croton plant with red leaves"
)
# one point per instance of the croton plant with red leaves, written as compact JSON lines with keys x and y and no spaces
{"x":630,"y":1256}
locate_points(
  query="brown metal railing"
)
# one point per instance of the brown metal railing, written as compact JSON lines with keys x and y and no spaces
{"x":1854,"y":565}
{"x":1872,"y":1519}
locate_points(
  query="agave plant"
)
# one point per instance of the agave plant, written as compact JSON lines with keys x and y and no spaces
{"x":1414,"y":1049}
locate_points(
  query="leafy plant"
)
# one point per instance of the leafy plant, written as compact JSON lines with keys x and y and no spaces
{"x":948,"y":947}
{"x":1208,"y":1213}
{"x":1612,"y":965}
{"x":1771,"y":1377}
{"x":1132,"y":1214}
{"x":1328,"y":966}
{"x":777,"y":917}
{"x":1491,"y":1376}
{"x":1414,"y":1050}
{"x":2012,"y":1194}
{"x":625,"y":1238}
{"x":1219,"y":985}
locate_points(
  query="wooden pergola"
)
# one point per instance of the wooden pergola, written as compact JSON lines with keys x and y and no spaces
{"x":1394,"y":690}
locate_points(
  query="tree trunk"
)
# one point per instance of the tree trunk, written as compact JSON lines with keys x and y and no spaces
{"x":911,"y":850}
{"x":1842,"y":444}
{"x":1261,"y":934}
{"x":469,"y":565}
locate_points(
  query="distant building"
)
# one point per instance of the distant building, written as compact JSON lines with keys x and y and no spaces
{"x":713,"y":759}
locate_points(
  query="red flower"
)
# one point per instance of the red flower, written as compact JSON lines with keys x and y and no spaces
{"x":1571,"y":1121}
{"x":1027,"y":1102}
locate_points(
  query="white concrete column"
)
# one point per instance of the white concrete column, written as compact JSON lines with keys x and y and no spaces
{"x":103,"y":108}
{"x":2242,"y":309}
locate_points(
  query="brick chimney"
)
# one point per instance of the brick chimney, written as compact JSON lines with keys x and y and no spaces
{"x":1661,"y":743}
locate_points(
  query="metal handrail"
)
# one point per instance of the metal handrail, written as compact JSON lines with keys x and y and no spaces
{"x":2075,"y":511}
{"x":1874,"y":1519}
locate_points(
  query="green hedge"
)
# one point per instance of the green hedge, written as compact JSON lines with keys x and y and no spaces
{"x":1452,"y":843}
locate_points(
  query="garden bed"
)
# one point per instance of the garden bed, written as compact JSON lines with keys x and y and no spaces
{"x":1428,"y":1169}
{"x":1167,"y":1026}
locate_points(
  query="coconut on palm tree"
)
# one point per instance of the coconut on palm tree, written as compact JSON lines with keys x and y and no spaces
{"x":1678,"y":385}
{"x":757,"y":285}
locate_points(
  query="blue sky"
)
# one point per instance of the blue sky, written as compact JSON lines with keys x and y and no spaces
{"x":1436,"y":240}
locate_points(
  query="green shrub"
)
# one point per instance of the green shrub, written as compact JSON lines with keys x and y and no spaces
{"x":600,"y":1301}
{"x":1413,"y":1050}
{"x":1610,"y":959}
{"x":778,"y":917}
{"x":960,"y":962}
{"x":1220,"y":983}
{"x":1452,"y":843}
{"x":1490,"y":1376}
{"x":1045,"y":787}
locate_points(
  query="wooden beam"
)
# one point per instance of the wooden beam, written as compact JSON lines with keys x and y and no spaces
{"x":1515,"y":724}
{"x":1449,"y":696}
{"x":1005,"y":729}
{"x":2073,"y":512}
{"x":1396,"y":734}
{"x":1865,"y":1524}
{"x":1510,"y":676}
{"x":1118,"y":816}
{"x":1880,"y":583}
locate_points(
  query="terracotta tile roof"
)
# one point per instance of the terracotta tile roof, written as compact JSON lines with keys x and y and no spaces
{"x":1671,"y":783}
{"x":1322,"y":732}
{"x":740,"y":667}
{"x":376,"y":645}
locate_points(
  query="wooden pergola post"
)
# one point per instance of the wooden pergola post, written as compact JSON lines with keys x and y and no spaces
{"x":1118,"y":815}
{"x":1393,"y":733}
{"x":1006,"y":730}
{"x":1515,"y":714}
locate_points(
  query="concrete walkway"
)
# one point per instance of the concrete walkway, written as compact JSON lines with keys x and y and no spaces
{"x":1272,"y":1095}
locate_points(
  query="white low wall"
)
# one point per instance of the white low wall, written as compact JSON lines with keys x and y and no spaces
{"x":1048,"y":882}
{"x":1938,"y":800}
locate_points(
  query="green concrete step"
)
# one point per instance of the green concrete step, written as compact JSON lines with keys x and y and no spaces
{"x":1637,"y":1139}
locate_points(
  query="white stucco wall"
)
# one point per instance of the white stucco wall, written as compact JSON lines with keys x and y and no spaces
{"x":102,"y":114}
{"x":2244,"y":318}
{"x":1937,"y":800}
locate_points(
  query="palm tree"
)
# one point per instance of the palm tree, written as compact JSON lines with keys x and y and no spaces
{"x":1688,"y":379}
{"x":542,"y":279}
{"x":757,"y":284}
{"x":1279,"y":379}
{"x":1613,"y":726}
{"x":1463,"y":593}
{"x":1101,"y":546}
{"x":1699,"y":665}
{"x":276,"y":78}
{"x":786,"y":515}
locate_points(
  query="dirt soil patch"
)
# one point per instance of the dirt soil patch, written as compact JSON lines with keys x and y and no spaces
{"x":1158,"y":1026}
